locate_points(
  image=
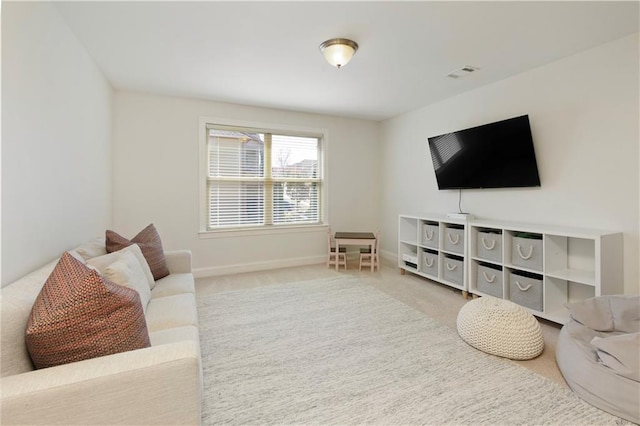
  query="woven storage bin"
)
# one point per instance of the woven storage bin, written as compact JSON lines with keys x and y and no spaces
{"x":454,"y":240}
{"x":453,"y":270}
{"x":527,"y":252}
{"x":430,"y":235}
{"x":489,"y":281}
{"x":429,"y":263}
{"x":526,"y":290}
{"x":489,"y":246}
{"x":410,"y":260}
{"x":501,"y":328}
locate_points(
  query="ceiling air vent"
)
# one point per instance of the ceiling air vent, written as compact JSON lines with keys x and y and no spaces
{"x":467,"y":69}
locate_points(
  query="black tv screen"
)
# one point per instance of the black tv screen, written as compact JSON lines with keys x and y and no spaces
{"x":495,"y":155}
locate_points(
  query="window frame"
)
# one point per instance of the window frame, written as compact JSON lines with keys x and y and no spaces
{"x":203,"y":210}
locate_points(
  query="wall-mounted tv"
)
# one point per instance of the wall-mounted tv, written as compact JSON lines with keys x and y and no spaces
{"x":495,"y":155}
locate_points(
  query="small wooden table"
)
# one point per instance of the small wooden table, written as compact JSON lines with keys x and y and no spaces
{"x":355,"y":239}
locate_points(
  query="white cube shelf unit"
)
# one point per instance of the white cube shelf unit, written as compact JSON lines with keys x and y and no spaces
{"x":543,"y":267}
{"x":435,"y":247}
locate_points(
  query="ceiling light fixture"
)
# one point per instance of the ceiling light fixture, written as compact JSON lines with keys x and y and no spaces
{"x":338,"y":51}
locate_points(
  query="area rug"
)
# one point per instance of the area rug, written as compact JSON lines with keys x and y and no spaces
{"x":338,"y":352}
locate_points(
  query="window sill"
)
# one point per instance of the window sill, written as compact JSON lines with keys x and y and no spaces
{"x":275,"y":230}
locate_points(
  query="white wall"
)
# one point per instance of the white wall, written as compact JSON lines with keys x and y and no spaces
{"x":156,"y":180}
{"x":56,"y":155}
{"x":584,"y":118}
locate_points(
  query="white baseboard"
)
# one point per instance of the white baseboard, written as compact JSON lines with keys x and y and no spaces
{"x":213,"y":271}
{"x":391,"y":256}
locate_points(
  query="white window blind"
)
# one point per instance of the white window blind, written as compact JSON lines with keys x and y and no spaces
{"x":257,"y":178}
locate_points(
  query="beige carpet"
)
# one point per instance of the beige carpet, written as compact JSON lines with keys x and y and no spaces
{"x":337,"y":351}
{"x":435,"y":300}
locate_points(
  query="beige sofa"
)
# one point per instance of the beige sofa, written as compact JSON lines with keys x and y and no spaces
{"x":160,"y":384}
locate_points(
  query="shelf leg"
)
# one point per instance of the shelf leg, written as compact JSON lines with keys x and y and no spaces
{"x":402,"y":271}
{"x":475,"y":296}
{"x":465,"y":294}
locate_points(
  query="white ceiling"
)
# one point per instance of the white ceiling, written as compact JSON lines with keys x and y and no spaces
{"x":266,"y":53}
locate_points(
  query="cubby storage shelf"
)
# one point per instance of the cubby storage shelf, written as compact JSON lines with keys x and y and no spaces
{"x":542,"y":267}
{"x":570,"y":264}
{"x":440,"y":246}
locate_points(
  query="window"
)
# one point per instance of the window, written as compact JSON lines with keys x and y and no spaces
{"x":259,"y":178}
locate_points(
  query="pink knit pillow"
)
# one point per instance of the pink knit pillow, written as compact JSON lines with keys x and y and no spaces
{"x":149,"y":241}
{"x":79,"y":315}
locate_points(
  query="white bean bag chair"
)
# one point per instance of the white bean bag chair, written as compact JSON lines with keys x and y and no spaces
{"x":598,"y":353}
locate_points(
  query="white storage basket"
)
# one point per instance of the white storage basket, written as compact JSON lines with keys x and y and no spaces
{"x":489,"y":281}
{"x":430,"y":235}
{"x":429,"y":263}
{"x":454,"y":240}
{"x":526,"y":290}
{"x":453,"y":270}
{"x":527,"y":252}
{"x":489,"y":246}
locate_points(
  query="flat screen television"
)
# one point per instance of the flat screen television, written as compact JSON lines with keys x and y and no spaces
{"x":494,"y":155}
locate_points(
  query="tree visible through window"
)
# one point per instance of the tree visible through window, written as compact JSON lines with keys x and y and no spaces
{"x":259,"y":178}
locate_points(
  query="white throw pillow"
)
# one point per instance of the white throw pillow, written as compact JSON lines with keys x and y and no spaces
{"x":127,"y":272}
{"x":125,"y":268}
{"x":101,"y":262}
{"x":93,"y":248}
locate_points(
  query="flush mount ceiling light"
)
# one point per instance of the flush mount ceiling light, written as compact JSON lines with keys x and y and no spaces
{"x":338,"y":51}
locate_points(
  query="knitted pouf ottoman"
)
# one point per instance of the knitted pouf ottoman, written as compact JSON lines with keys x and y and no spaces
{"x":500,"y":327}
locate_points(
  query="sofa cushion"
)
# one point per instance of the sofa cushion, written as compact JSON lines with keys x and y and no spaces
{"x":172,"y":311}
{"x":174,"y":335}
{"x":174,"y":284}
{"x":79,"y":315}
{"x":124,"y":268}
{"x":149,"y":241}
{"x":178,"y":261}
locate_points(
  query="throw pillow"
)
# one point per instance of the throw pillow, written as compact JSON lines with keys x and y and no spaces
{"x":125,"y":269}
{"x":92,"y":248}
{"x":149,"y":241}
{"x":101,"y":262}
{"x":79,"y":315}
{"x":78,"y":256}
